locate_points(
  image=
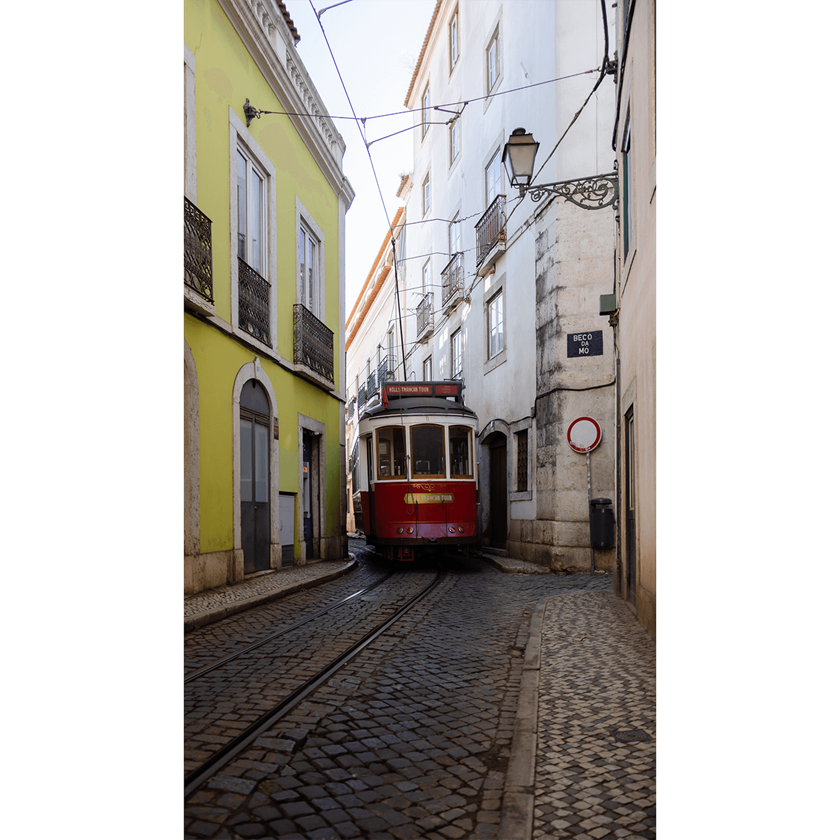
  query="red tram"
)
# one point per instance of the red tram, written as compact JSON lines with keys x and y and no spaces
{"x":414,"y":469}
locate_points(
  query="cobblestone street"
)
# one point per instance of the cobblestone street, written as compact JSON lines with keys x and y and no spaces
{"x":413,"y":738}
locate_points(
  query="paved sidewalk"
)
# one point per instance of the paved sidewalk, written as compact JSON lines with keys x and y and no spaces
{"x":214,"y":604}
{"x":584,"y":746}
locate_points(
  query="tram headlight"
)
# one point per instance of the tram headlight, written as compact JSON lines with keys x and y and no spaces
{"x":411,"y":530}
{"x":451,"y":530}
{"x":461,"y":529}
{"x":400,"y":529}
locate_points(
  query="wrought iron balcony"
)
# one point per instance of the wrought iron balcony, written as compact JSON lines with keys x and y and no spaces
{"x":425,"y":316}
{"x":452,"y":281}
{"x":198,"y":251}
{"x":490,"y":230}
{"x":313,"y":343}
{"x":371,"y":384}
{"x":254,"y":303}
{"x":351,"y":409}
{"x":363,"y":395}
{"x":386,"y":368}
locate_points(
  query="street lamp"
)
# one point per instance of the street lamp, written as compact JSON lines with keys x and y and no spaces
{"x":518,"y":158}
{"x":593,"y":193}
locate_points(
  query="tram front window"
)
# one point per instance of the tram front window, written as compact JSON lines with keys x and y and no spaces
{"x":460,"y":463}
{"x":427,"y":451}
{"x":390,"y":450}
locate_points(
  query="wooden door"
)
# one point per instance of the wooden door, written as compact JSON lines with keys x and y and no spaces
{"x":498,"y":492}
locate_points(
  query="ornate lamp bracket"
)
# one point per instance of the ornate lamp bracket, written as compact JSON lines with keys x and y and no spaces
{"x":593,"y":193}
{"x":250,"y":112}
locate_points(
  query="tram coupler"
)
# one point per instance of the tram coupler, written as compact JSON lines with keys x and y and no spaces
{"x":405,"y":553}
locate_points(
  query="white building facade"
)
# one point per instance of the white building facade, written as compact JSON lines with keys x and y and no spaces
{"x":504,"y":292}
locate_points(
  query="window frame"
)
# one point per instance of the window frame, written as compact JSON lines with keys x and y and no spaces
{"x":495,"y":156}
{"x":470,"y":450}
{"x":456,"y":338}
{"x":378,"y":466}
{"x":444,"y":452}
{"x":454,"y":40}
{"x":495,"y":289}
{"x":240,"y":139}
{"x":525,"y":425}
{"x":493,"y":47}
{"x":431,"y":369}
{"x":305,"y":222}
{"x":500,"y":299}
{"x":425,"y":110}
{"x":628,"y":226}
{"x":454,"y":139}
{"x":426,"y":194}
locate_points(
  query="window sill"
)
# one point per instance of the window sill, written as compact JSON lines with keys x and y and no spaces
{"x":499,"y":359}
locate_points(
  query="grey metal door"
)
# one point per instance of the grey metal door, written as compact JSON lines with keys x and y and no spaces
{"x":498,"y":492}
{"x":254,"y":466}
{"x":630,"y":496}
{"x":306,"y":487}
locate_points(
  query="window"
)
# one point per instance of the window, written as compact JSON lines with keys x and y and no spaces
{"x":627,"y":178}
{"x":460,"y":460}
{"x":390,"y":452}
{"x":522,"y":461}
{"x":427,"y":276}
{"x":453,"y":40}
{"x":454,"y":141}
{"x":427,"y":195}
{"x":496,"y":325}
{"x":454,"y":236}
{"x":311,"y":275}
{"x":455,"y":348}
{"x":427,"y":451}
{"x":493,"y":177}
{"x":427,"y":101}
{"x":494,"y":61}
{"x":253,"y":237}
{"x":427,"y":369}
{"x":250,"y":213}
{"x":308,"y":277}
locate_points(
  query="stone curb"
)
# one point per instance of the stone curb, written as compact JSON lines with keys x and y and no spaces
{"x":193,"y":622}
{"x":514,"y":567}
{"x":517,"y":818}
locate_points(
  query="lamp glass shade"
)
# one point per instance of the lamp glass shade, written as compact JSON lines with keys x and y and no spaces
{"x":518,"y":158}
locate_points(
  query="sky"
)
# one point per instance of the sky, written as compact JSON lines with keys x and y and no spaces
{"x":376,"y":44}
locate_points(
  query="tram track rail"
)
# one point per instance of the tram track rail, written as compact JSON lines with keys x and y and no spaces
{"x":201,"y":672}
{"x":227,"y":752}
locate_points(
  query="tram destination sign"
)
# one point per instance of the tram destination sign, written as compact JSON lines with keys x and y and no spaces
{"x":585,"y":344}
{"x":424,"y":389}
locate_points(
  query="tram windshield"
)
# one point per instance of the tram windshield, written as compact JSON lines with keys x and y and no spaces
{"x":427,"y":451}
{"x":390,"y":450}
{"x":460,"y":462}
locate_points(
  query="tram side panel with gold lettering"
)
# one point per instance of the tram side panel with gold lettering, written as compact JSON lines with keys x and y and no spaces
{"x":414,"y":469}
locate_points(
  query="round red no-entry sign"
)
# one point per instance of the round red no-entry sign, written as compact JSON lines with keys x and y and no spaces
{"x":584,"y":434}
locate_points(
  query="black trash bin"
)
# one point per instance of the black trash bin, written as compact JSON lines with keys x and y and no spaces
{"x":601,"y":523}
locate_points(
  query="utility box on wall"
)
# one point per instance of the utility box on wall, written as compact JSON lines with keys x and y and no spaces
{"x":287,"y":528}
{"x":601,"y":523}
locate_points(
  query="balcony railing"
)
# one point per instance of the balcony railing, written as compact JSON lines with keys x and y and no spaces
{"x":254,"y":303}
{"x":351,"y":409}
{"x":198,"y":251}
{"x":490,"y":229}
{"x":425,"y":316}
{"x":313,"y":343}
{"x":386,"y":368}
{"x":452,"y":281}
{"x":363,"y":395}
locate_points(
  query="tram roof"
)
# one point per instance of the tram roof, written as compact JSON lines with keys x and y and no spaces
{"x":420,"y":398}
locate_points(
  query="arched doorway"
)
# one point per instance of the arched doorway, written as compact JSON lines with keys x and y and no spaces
{"x":498,"y":524}
{"x":254,"y":476}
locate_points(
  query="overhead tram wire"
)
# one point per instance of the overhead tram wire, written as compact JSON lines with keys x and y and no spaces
{"x":375,"y":178}
{"x":361,"y":121}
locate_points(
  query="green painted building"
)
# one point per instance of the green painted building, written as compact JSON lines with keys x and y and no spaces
{"x":264,"y":205}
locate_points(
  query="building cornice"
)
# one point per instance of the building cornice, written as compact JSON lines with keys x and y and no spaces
{"x":266,"y":34}
{"x":423,"y":49}
{"x":378,"y":270}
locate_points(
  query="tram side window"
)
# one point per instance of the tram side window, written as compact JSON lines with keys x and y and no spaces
{"x":355,"y":470}
{"x":390,"y":449}
{"x":460,"y":463}
{"x":427,"y":451}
